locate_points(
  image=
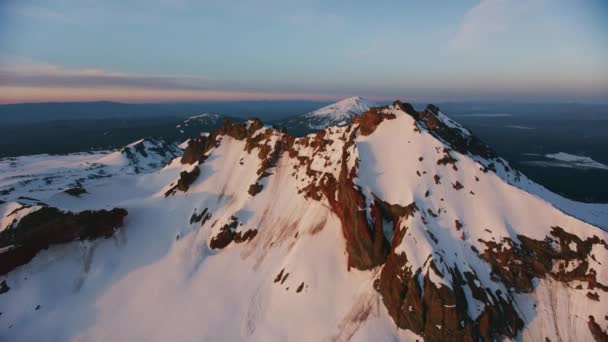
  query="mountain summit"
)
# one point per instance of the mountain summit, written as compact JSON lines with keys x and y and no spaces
{"x":401,"y":225}
{"x":342,"y":110}
{"x":195,"y":124}
{"x":335,"y":114}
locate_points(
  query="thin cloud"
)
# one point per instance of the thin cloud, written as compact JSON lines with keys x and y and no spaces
{"x":49,"y":75}
{"x":488,"y":19}
{"x":43,"y":69}
{"x":36,"y":82}
{"x":42,"y":75}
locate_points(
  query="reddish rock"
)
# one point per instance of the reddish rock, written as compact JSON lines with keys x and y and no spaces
{"x":185,"y":180}
{"x":517,"y":264}
{"x":195,"y":151}
{"x":596,"y":331}
{"x":284,"y":278}
{"x":255,"y":189}
{"x":437,"y":179}
{"x":463,"y":143}
{"x":441,"y":313}
{"x":228,"y":234}
{"x":458,"y":224}
{"x":279,"y":276}
{"x":49,"y":226}
{"x":447,"y":159}
{"x":457,"y":186}
{"x":369,"y":120}
{"x":366,"y":244}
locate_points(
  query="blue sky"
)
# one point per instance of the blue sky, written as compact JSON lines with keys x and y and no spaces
{"x":179,"y":50}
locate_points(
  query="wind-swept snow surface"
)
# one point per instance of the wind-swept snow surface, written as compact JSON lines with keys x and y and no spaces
{"x":399,"y":226}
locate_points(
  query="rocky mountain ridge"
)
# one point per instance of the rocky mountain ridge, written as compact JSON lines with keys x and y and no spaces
{"x":406,"y":224}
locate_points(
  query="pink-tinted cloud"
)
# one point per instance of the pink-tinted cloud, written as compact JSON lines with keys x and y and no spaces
{"x":126,"y":94}
{"x":31,"y":82}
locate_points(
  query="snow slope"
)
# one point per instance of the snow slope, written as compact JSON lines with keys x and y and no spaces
{"x":385,"y":229}
{"x":34,"y":178}
{"x":594,"y":213}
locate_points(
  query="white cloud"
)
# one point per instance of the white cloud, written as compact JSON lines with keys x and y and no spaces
{"x":489,"y":19}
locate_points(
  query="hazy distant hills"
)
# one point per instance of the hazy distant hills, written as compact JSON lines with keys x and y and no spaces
{"x":25,"y":113}
{"x":270,"y":111}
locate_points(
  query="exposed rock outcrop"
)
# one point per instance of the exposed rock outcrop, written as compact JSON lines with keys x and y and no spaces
{"x":4,"y":288}
{"x":49,"y":226}
{"x":596,"y":331}
{"x":457,"y":138}
{"x":195,"y":151}
{"x":228,"y":233}
{"x":439,"y":312}
{"x":517,"y":264}
{"x":366,"y":244}
{"x":368,"y":121}
{"x":186,"y":178}
{"x":76,"y":191}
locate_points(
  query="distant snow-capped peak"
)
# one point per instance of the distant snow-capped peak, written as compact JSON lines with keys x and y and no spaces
{"x":201,"y":122}
{"x":335,"y":114}
{"x":204,"y":116}
{"x":342,"y":110}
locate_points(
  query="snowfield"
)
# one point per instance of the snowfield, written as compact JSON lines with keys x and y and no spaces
{"x":439,"y":221}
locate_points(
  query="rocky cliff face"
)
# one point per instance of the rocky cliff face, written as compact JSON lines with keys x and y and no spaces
{"x":445,"y":297}
{"x":47,"y":226}
{"x":406,"y":224}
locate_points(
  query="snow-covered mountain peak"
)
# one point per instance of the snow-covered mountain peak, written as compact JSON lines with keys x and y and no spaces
{"x":200,"y":122}
{"x":343,"y":109}
{"x":400,"y":225}
{"x":204,"y":116}
{"x":335,"y":114}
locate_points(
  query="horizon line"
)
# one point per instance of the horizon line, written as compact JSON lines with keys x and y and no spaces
{"x":382,"y":100}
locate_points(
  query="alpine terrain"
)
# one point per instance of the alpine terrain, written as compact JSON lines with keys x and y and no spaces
{"x":387,"y":223}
